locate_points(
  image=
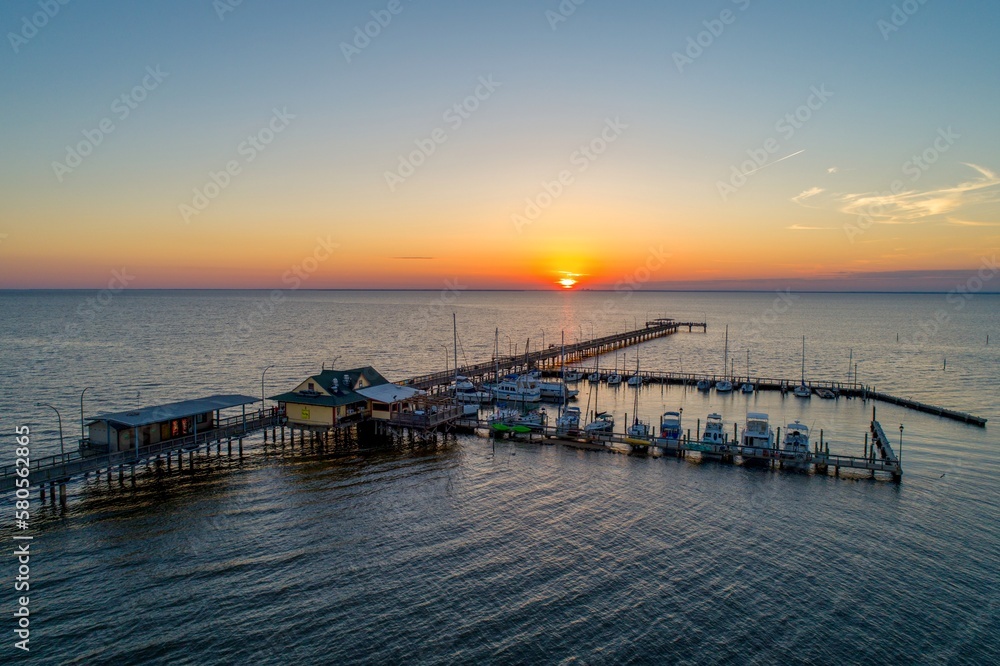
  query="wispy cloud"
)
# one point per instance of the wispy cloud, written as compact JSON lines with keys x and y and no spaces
{"x":802,"y":227}
{"x":808,"y":194}
{"x":833,"y":169}
{"x":910,"y":206}
{"x":969,"y":223}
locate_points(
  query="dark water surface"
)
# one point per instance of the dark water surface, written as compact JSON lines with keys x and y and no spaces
{"x":525,"y":554}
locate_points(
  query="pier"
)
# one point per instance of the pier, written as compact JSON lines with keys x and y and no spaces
{"x":552,"y":356}
{"x":837,"y":389}
{"x":878,"y":458}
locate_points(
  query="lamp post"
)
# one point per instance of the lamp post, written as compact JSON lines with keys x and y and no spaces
{"x":62,"y":447}
{"x":262,"y":390}
{"x":445,"y":348}
{"x":82,"y":436}
{"x":510,"y":345}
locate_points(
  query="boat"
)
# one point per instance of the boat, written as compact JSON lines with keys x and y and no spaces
{"x":748,"y":386}
{"x":795,"y":448}
{"x":638,"y":434}
{"x":635,"y":380}
{"x":594,"y":377}
{"x":603,"y":424}
{"x":518,"y":388}
{"x":704,"y":384}
{"x":670,"y":429}
{"x":756,"y":439}
{"x":826,"y":394}
{"x":568,"y":422}
{"x":614,"y":379}
{"x":556,"y":391}
{"x":724,"y":385}
{"x":802,"y":391}
{"x":713,"y":439}
{"x":533,"y":420}
{"x":466,"y":393}
{"x":572,"y":376}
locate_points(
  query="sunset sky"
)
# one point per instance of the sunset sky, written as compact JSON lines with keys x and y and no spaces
{"x":731,"y":144}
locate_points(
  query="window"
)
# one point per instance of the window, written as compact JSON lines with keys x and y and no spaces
{"x":312,"y":387}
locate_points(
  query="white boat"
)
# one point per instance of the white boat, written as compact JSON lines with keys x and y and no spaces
{"x":725,"y":386}
{"x":670,"y":428}
{"x":518,"y":388}
{"x":556,"y":391}
{"x":603,"y":424}
{"x":795,"y":447}
{"x":614,"y":379}
{"x":704,"y":384}
{"x":638,"y":434}
{"x":573,"y":376}
{"x":535,"y":420}
{"x":756,"y":438}
{"x":466,"y":393}
{"x":713,"y":438}
{"x":634,"y":380}
{"x":802,"y":391}
{"x":568,"y":422}
{"x":594,"y":377}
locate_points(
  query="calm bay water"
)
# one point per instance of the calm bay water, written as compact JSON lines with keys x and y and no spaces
{"x":522,"y":554}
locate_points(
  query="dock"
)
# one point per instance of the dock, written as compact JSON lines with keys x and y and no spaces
{"x":880,"y":458}
{"x":552,"y":356}
{"x":838,"y":389}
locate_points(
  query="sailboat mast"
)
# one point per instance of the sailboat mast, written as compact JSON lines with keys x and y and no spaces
{"x":454,"y":331}
{"x":725,"y":357}
{"x":803,"y":360}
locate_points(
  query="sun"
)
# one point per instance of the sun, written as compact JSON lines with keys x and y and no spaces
{"x":567,"y":283}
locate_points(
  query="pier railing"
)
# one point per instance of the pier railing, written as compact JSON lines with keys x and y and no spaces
{"x":65,"y":465}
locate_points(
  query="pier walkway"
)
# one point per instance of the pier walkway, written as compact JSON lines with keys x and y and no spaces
{"x":60,"y":468}
{"x":552,"y":356}
{"x":837,"y":389}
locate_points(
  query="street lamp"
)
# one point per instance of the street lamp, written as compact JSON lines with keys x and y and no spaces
{"x":510,"y":345}
{"x":900,"y":443}
{"x":82,"y":436}
{"x":262,"y":389}
{"x":62,"y":447}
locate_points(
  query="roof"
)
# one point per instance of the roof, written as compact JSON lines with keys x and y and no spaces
{"x":757,"y":416}
{"x":344,"y":396}
{"x":388,"y":393}
{"x":175,"y":410}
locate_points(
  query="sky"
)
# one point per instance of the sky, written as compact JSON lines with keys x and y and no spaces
{"x":525,"y":145}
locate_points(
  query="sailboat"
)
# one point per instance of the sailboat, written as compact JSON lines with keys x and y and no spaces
{"x":635,"y":380}
{"x":603,"y":423}
{"x":802,"y":391}
{"x":748,"y":386}
{"x":637,"y":434}
{"x":615,"y":379}
{"x":568,"y":422}
{"x":725,"y":386}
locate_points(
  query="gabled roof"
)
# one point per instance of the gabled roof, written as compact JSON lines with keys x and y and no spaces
{"x":175,"y":410}
{"x":345,"y":395}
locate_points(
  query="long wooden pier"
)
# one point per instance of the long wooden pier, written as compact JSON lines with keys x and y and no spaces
{"x":552,"y":357}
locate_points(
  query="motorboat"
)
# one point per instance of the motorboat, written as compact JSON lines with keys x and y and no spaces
{"x":713,"y":438}
{"x":467,"y":393}
{"x":802,"y":391}
{"x":826,"y":394}
{"x":518,"y":388}
{"x":795,"y":448}
{"x":614,"y":379}
{"x":670,"y":428}
{"x":568,"y":422}
{"x":556,"y":391}
{"x":756,"y":439}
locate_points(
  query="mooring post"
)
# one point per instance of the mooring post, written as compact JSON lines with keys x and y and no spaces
{"x":62,"y":494}
{"x":41,"y":490}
